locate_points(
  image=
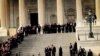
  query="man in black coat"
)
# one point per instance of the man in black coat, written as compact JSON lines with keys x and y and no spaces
{"x":39,"y":28}
{"x":46,"y":52}
{"x":53,"y":50}
{"x":71,"y":49}
{"x":75,"y":47}
{"x":49,"y":51}
{"x":60,"y":51}
{"x":90,"y":53}
{"x":59,"y":28}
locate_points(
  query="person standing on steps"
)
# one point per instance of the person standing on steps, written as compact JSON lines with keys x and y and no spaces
{"x":71,"y":49}
{"x":53,"y":50}
{"x":60,"y":51}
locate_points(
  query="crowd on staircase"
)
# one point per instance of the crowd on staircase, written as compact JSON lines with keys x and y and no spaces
{"x":51,"y":51}
{"x":74,"y":51}
{"x":14,"y":41}
{"x":53,"y":28}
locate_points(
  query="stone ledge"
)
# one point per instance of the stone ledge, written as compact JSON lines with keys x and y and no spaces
{"x":3,"y":39}
{"x":3,"y":32}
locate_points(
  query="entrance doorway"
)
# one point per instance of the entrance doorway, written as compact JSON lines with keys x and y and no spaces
{"x":33,"y":19}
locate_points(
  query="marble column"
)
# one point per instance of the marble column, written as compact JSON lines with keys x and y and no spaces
{"x":4,"y":13}
{"x":41,"y":12}
{"x":79,"y":14}
{"x":60,"y":12}
{"x":8,"y":14}
{"x":4,"y":17}
{"x":97,"y":5}
{"x":22,"y":13}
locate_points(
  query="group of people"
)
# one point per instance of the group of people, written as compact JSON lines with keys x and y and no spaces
{"x":54,"y":28}
{"x":81,"y":52}
{"x":51,"y":51}
{"x":5,"y":49}
{"x":73,"y":49}
{"x":13,"y":41}
{"x":31,"y":29}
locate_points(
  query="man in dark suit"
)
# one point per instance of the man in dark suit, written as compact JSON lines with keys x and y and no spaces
{"x":71,"y":49}
{"x":75,"y":47}
{"x":46,"y":52}
{"x":90,"y":53}
{"x":53,"y":50}
{"x":59,"y":28}
{"x":60,"y":51}
{"x":49,"y":51}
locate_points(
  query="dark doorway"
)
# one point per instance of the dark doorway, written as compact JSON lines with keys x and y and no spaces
{"x":34,"y":19}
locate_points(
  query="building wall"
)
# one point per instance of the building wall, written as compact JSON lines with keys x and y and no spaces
{"x":69,"y":10}
{"x":51,"y":13}
{"x":51,"y":10}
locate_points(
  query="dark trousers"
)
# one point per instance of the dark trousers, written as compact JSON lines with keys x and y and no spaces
{"x":53,"y":54}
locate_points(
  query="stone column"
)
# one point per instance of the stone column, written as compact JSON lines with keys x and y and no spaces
{"x":97,"y":5}
{"x":41,"y":12}
{"x":3,"y":13}
{"x":4,"y":17}
{"x":79,"y":9}
{"x":60,"y":12}
{"x":8,"y":14}
{"x":22,"y":13}
{"x":97,"y":2}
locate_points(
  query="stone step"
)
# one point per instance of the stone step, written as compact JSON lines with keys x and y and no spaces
{"x":89,"y":43}
{"x":34,"y":44}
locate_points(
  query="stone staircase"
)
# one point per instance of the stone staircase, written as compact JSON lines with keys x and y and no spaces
{"x":34,"y":44}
